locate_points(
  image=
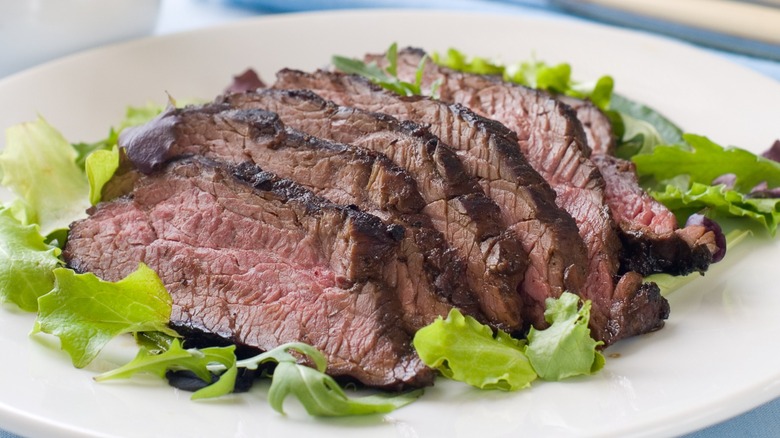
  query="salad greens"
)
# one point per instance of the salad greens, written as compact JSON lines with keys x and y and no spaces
{"x":26,"y":262}
{"x":39,"y":166}
{"x":86,"y":312}
{"x":386,"y":78}
{"x":463,"y":349}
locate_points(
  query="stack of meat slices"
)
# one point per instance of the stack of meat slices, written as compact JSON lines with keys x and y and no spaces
{"x":329,"y":211}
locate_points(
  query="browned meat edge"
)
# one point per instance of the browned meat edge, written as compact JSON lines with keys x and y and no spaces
{"x":457,"y":206}
{"x":426,"y":274}
{"x":527,"y":203}
{"x":259,"y":261}
{"x":552,"y":139}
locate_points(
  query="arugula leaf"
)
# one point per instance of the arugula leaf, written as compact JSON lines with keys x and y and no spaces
{"x":564,"y":349}
{"x":86,"y":312}
{"x":39,"y":166}
{"x":319,"y":394}
{"x":386,"y":78}
{"x":464,"y":350}
{"x":26,"y":263}
{"x":177,"y":358}
{"x":100,"y":167}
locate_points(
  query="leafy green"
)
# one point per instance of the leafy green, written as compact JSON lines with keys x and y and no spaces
{"x":385,"y":78}
{"x":100,"y":167}
{"x":319,"y":394}
{"x":464,"y":350}
{"x":703,"y":161}
{"x":564,"y":349}
{"x":681,"y":178}
{"x":535,"y":74}
{"x":26,"y":263}
{"x":39,"y":166}
{"x":86,"y":312}
{"x":177,"y":358}
{"x":640,"y":128}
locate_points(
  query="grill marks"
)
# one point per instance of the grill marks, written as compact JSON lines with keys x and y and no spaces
{"x":455,"y":203}
{"x":553,"y":140}
{"x":258,"y":261}
{"x":486,"y":148}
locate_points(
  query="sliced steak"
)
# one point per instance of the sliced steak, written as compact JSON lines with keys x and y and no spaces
{"x":471,"y":222}
{"x":652,"y":241}
{"x":259,"y":261}
{"x":489,"y":153}
{"x":552,"y":139}
{"x":426,"y":274}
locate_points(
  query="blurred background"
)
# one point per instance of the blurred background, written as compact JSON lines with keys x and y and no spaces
{"x":35,"y":31}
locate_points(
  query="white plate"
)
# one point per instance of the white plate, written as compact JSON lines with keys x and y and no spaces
{"x":715,"y":358}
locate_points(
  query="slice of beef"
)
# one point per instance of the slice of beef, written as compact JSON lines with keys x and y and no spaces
{"x":552,"y":139}
{"x":489,"y":153}
{"x":426,"y":274}
{"x":259,"y":261}
{"x":471,"y":222}
{"x":652,"y":241}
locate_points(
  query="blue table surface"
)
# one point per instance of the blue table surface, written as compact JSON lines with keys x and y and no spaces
{"x":180,"y":15}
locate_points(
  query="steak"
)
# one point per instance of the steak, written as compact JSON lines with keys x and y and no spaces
{"x":259,"y":261}
{"x":651,"y":240}
{"x":489,"y":153}
{"x":553,"y":140}
{"x":426,"y":274}
{"x":471,"y":222}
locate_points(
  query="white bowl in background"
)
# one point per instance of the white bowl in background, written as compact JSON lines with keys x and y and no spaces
{"x":34,"y":31}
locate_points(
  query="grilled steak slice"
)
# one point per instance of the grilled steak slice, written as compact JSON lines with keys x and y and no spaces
{"x":549,"y":235}
{"x":553,"y":141}
{"x":471,"y":222}
{"x":427,"y":274}
{"x":652,"y":241}
{"x":259,"y":261}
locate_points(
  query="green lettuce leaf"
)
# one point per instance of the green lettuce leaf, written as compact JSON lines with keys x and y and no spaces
{"x":464,"y":350}
{"x":680,"y":177}
{"x":176,"y":358}
{"x":565,"y":349}
{"x":26,"y":263}
{"x":85,"y":312}
{"x":39,"y":166}
{"x":703,"y":161}
{"x":100,"y":167}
